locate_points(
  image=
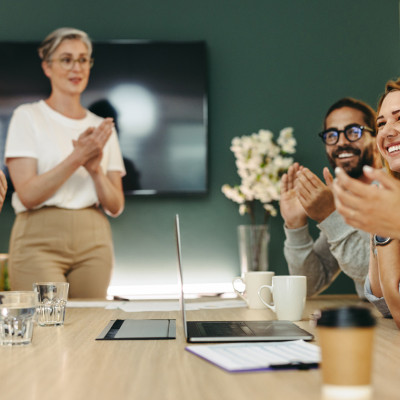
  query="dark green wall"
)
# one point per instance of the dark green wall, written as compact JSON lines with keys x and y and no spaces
{"x":271,"y":64}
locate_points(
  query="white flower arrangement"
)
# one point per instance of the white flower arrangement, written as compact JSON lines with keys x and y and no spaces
{"x":261,"y":162}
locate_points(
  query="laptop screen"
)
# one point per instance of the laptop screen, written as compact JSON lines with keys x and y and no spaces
{"x":180,"y":273}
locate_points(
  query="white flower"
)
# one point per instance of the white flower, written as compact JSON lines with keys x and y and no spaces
{"x":265,"y":135}
{"x":260,"y":164}
{"x":247,"y":191}
{"x":233,"y":194}
{"x":271,"y":209}
{"x":286,"y":133}
{"x":287,"y":141}
{"x":242,"y":209}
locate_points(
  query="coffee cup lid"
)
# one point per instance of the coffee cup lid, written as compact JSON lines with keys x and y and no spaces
{"x":346,"y":317}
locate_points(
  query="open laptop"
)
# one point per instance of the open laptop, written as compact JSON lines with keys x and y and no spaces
{"x":233,"y":331}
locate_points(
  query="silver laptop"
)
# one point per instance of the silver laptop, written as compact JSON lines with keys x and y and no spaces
{"x":233,"y":331}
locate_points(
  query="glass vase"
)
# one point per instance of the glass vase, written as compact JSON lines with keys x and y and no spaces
{"x":253,"y":247}
{"x":4,"y":272}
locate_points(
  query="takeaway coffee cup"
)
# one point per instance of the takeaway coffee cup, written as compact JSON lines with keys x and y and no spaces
{"x":247,"y":287}
{"x":346,"y":338}
{"x":289,"y":296}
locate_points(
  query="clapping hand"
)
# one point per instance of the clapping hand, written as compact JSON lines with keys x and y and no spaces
{"x":291,"y":209}
{"x":91,"y":144}
{"x":369,"y":207}
{"x":315,"y":196}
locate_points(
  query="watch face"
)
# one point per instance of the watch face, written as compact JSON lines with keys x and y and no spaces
{"x":380,"y":240}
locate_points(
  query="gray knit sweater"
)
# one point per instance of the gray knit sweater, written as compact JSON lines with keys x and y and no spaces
{"x":339,"y":247}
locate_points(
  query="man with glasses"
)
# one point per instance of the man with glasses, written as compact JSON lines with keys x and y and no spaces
{"x":349,"y":138}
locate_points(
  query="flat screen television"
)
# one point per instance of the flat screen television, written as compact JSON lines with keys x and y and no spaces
{"x":157,"y":94}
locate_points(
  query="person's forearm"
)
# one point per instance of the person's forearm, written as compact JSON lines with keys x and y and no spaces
{"x":391,"y":294}
{"x":373,"y":274}
{"x":304,"y":257}
{"x":389,"y":275}
{"x":295,"y":222}
{"x":109,"y":191}
{"x":3,"y":188}
{"x":38,"y":188}
{"x":349,"y":246}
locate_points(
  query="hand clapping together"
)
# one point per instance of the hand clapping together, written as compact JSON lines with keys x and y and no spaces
{"x":90,"y":144}
{"x":369,"y":207}
{"x":304,"y":195}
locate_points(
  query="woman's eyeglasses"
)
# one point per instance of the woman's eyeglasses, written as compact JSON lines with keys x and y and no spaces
{"x":352,"y":132}
{"x":68,"y":63}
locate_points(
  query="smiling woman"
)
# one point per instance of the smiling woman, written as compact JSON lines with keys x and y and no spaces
{"x":388,"y":128}
{"x":64,"y":162}
{"x":68,"y":68}
{"x":368,"y":207}
{"x":382,"y":288}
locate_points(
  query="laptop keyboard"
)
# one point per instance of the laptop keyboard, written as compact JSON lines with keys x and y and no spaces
{"x":221,"y":329}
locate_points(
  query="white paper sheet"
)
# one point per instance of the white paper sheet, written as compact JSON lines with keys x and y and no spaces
{"x":173,"y":305}
{"x":140,"y":306}
{"x":208,"y":305}
{"x":156,"y":305}
{"x":110,"y":305}
{"x":241,"y":357}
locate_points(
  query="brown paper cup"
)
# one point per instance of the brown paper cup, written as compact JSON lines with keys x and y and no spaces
{"x":346,"y":338}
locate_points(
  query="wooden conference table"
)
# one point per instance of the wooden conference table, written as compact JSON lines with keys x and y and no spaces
{"x":67,"y":363}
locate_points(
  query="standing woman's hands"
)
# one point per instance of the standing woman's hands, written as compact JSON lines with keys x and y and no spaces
{"x":90,"y":145}
{"x":34,"y":189}
{"x":3,"y":188}
{"x":108,"y":185}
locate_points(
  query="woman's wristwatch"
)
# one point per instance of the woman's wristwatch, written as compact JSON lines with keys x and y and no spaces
{"x":381,"y":240}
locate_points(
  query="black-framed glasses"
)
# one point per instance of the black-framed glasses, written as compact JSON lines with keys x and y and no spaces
{"x":352,"y":132}
{"x":67,"y":62}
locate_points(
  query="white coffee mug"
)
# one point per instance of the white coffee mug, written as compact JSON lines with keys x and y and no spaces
{"x":289,"y":296}
{"x":247,"y":287}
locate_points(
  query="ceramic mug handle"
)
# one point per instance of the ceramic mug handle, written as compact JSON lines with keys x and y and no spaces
{"x":238,"y":292}
{"x":270,"y":288}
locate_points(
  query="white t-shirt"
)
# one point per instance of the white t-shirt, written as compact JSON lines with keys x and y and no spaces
{"x":38,"y":131}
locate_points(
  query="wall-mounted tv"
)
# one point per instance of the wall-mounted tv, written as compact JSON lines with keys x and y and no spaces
{"x":157,"y":93}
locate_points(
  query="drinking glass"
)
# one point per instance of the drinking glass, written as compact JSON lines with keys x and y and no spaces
{"x":17,"y":310}
{"x":52,"y":302}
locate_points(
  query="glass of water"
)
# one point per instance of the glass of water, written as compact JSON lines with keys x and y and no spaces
{"x":52,"y":302}
{"x":17,"y":311}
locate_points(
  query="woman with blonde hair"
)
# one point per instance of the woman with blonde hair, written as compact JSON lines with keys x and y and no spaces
{"x":65,"y":164}
{"x":374,"y":208}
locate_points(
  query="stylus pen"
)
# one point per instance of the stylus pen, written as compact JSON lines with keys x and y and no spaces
{"x":295,"y":365}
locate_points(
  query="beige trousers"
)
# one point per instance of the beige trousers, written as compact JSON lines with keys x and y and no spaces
{"x":59,"y":245}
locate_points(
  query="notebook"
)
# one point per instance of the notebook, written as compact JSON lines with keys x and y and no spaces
{"x":131,"y":329}
{"x":233,"y":331}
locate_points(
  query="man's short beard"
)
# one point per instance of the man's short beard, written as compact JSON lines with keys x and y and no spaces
{"x":366,"y":158}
